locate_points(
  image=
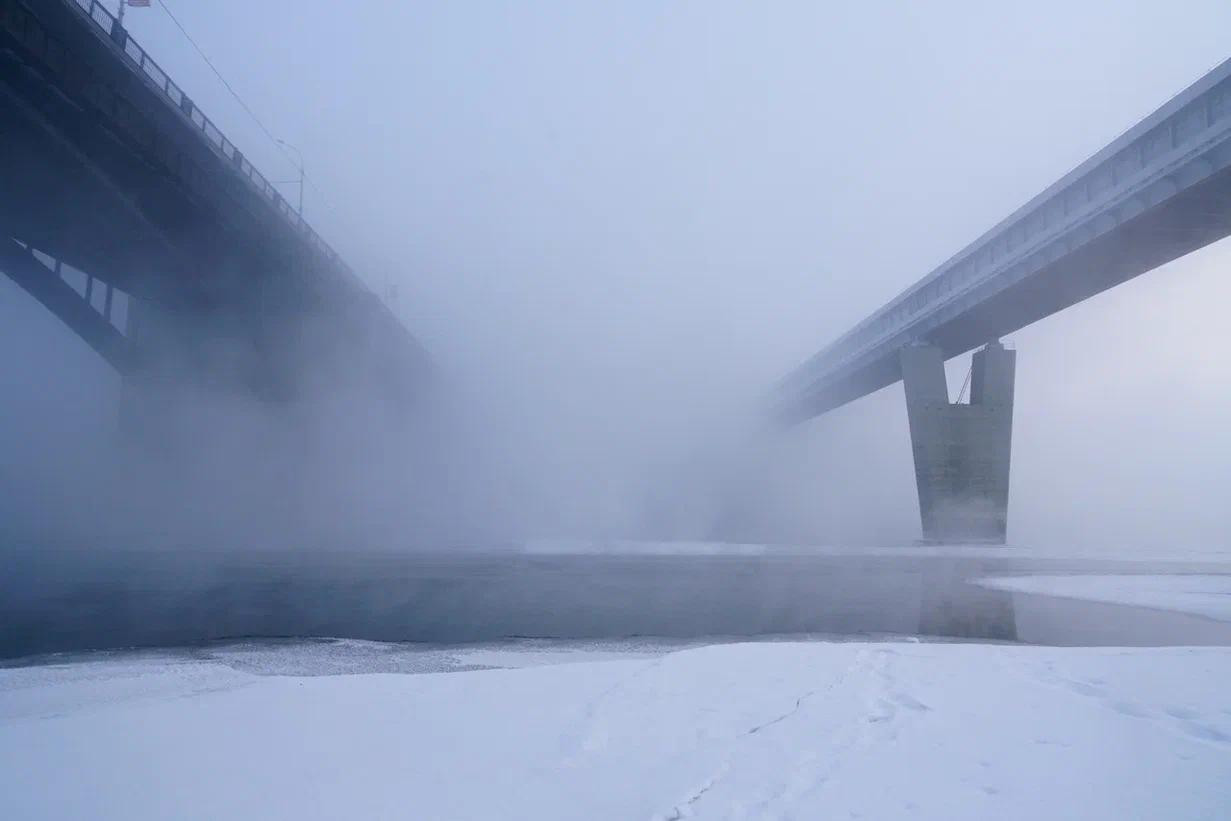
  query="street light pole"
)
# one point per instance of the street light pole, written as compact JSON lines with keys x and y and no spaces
{"x":300,"y":155}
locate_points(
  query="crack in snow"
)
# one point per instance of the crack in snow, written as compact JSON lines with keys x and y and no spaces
{"x":684,"y":808}
{"x":1181,"y":721}
{"x":798,"y":703}
{"x":874,"y":725}
{"x":591,"y":737}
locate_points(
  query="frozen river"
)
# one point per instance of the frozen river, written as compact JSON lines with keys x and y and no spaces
{"x":645,"y":695}
{"x":54,"y":601}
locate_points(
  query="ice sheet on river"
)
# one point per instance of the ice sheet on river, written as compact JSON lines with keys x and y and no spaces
{"x":1208,"y":596}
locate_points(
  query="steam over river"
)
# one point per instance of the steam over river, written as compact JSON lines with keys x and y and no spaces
{"x":55,"y":600}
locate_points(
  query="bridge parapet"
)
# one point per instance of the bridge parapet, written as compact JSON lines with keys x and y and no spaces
{"x":105,"y":25}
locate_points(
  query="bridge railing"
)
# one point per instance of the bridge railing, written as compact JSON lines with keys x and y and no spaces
{"x":145,"y":66}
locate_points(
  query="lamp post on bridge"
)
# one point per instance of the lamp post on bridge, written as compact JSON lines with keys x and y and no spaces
{"x":299,"y":154}
{"x":117,"y":28}
{"x":120,"y":12}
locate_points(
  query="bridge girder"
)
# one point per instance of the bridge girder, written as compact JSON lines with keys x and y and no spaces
{"x":1161,"y":190}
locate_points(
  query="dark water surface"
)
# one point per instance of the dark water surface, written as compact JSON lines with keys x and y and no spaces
{"x":58,"y":601}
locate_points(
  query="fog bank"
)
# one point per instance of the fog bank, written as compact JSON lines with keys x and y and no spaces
{"x":614,"y":229}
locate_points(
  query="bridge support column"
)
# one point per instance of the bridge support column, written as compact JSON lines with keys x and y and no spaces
{"x":961,"y":450}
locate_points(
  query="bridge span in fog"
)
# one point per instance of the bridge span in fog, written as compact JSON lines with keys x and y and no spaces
{"x":1159,"y":191}
{"x":189,"y":266}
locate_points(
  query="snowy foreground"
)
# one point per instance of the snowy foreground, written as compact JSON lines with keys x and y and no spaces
{"x":760,"y":730}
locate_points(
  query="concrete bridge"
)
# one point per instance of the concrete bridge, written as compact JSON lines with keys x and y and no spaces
{"x":131,"y":216}
{"x":1157,"y":192}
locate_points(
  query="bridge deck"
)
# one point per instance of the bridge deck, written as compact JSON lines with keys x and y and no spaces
{"x":110,"y":168}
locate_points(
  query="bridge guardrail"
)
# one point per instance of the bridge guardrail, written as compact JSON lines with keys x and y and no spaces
{"x":145,"y":66}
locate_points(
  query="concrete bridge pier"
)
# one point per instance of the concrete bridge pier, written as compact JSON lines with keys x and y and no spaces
{"x":961,"y":451}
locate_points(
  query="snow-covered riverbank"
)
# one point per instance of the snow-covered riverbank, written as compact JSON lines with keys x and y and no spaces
{"x":759,"y":730}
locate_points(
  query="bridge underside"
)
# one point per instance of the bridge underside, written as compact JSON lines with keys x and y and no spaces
{"x":101,"y":176}
{"x":73,"y":308}
{"x":58,"y":198}
{"x":1184,"y":223}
